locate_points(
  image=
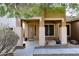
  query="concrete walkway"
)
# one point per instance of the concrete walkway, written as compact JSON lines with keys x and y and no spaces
{"x":27,"y":51}
{"x":30,"y":50}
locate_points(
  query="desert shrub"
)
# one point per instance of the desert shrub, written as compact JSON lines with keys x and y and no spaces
{"x":8,"y":39}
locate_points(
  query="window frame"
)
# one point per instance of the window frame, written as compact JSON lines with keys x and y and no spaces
{"x":54,"y":31}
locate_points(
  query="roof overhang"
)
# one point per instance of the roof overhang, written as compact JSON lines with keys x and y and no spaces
{"x":33,"y":18}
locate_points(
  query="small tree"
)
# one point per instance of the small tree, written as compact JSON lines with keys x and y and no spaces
{"x":8,"y":40}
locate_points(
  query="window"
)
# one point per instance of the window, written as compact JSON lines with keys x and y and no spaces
{"x":49,"y":30}
{"x":68,"y":29}
{"x":35,"y":30}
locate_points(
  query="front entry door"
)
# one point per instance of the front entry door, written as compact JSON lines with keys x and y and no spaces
{"x":31,"y":32}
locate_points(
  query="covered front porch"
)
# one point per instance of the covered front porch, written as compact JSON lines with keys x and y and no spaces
{"x":35,"y":29}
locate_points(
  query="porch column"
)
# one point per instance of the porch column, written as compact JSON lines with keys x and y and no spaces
{"x":18,"y":31}
{"x":26,"y":30}
{"x":63,"y":33}
{"x":41,"y":33}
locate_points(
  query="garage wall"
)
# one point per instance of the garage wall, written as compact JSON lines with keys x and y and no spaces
{"x":75,"y":30}
{"x":11,"y":22}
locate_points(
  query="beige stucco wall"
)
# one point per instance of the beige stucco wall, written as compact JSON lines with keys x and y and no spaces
{"x":48,"y":14}
{"x":19,"y":31}
{"x":52,"y":14}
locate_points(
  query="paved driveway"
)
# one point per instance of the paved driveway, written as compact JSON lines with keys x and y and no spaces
{"x":56,"y":51}
{"x":30,"y":50}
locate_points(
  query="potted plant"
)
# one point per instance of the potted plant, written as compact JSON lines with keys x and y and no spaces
{"x":58,"y":41}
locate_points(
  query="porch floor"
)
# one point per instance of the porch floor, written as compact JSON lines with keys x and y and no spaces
{"x":30,"y":50}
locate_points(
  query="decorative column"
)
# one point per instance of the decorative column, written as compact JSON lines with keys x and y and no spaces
{"x":63,"y":33}
{"x":18,"y":31}
{"x":41,"y":33}
{"x":26,"y":29}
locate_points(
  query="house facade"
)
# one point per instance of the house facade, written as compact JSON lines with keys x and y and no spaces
{"x":50,"y":26}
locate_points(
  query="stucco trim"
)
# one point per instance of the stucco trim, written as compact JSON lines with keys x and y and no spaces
{"x":36,"y":18}
{"x":54,"y":19}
